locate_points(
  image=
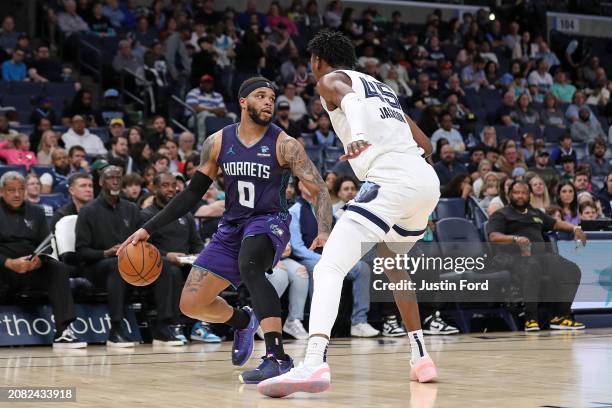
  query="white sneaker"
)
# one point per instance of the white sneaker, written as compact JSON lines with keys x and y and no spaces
{"x":363,"y":330}
{"x":435,"y":325}
{"x":301,"y":378}
{"x":294,"y":328}
{"x":391,"y":328}
{"x":260,"y":333}
{"x":68,"y":341}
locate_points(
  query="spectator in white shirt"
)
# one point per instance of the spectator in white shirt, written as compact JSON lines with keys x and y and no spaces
{"x":449,"y":133}
{"x":541,"y":78}
{"x":69,"y":21}
{"x":78,"y":134}
{"x":297,"y":106}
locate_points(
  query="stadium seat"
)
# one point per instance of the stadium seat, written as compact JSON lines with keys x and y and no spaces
{"x":553,"y":133}
{"x":535,"y":129}
{"x":315,"y":154}
{"x":55,"y":200}
{"x":506,"y":132}
{"x":450,"y":207}
{"x":101,"y":132}
{"x":308,"y":139}
{"x":333,"y":153}
{"x":214,"y":123}
{"x":40,"y":170}
{"x":472,"y":99}
{"x":18,"y":168}
{"x":581,"y":149}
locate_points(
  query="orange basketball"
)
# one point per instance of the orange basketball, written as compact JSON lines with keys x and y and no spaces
{"x":140,"y":264}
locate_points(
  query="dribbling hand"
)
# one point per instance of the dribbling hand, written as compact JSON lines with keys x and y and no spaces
{"x":140,"y":235}
{"x":354,"y":149}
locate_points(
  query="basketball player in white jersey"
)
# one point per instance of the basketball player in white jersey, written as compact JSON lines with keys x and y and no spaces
{"x":384,"y":148}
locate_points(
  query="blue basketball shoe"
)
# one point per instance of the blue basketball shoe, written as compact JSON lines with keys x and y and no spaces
{"x":244,"y":340}
{"x":269,"y":367}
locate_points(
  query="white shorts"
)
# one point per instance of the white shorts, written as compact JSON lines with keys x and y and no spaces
{"x":395,"y":202}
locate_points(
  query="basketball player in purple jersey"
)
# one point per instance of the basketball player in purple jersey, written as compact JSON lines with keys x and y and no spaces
{"x":256,"y":158}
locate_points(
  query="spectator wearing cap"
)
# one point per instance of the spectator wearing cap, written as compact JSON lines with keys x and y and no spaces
{"x":568,"y":169}
{"x":206,"y":102}
{"x":561,"y":88}
{"x":111,"y":109}
{"x":120,"y":149}
{"x":584,"y":129}
{"x":473,"y":75}
{"x":599,"y":165}
{"x":204,"y":61}
{"x":448,"y":167}
{"x":79,"y":135}
{"x":17,"y":151}
{"x":448,"y":132}
{"x":297,"y":105}
{"x":283,"y":120}
{"x":43,"y":110}
{"x":116,"y":127}
{"x":14,"y":70}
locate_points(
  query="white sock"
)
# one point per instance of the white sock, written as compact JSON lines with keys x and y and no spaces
{"x":417,"y":345}
{"x":316,"y":351}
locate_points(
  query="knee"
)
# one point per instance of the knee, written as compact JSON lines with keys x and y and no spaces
{"x":327,"y":268}
{"x":249,"y":269}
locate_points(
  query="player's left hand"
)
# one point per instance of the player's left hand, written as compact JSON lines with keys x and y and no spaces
{"x":580,"y":235}
{"x":354,"y":149}
{"x":319,"y":241}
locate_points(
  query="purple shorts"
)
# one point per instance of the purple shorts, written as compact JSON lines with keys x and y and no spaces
{"x":220,"y":256}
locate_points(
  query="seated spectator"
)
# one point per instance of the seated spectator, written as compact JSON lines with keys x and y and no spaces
{"x":69,"y":21}
{"x":125,"y":58}
{"x":297,"y":106}
{"x":524,"y":49}
{"x":399,"y":86}
{"x":345,"y":189}
{"x":599,"y":94}
{"x":209,"y":211}
{"x":448,"y":132}
{"x":544,"y":170}
{"x":584,"y":129}
{"x":563,"y":149}
{"x":160,"y":162}
{"x":523,"y":114}
{"x":503,"y":114}
{"x":460,"y":186}
{"x":119,"y":149}
{"x":488,"y":190}
{"x":159,"y":134}
{"x":283,"y":120}
{"x":131,"y":188}
{"x":206,"y":102}
{"x":141,"y":155}
{"x":605,"y":196}
{"x":562,"y":89}
{"x":186,"y":144}
{"x":567,"y":199}
{"x":79,"y":135}
{"x":510,"y":158}
{"x":541,"y":78}
{"x":48,"y":142}
{"x":568,"y":168}
{"x":43,"y":68}
{"x":303,"y":229}
{"x":8,"y":35}
{"x":501,"y":200}
{"x":540,"y":272}
{"x":489,"y":136}
{"x":43,"y":110}
{"x":290,"y":273}
{"x":81,"y":105}
{"x":578,"y":102}
{"x":588,"y":211}
{"x":78,"y":160}
{"x":116,"y":128}
{"x":6,"y":133}
{"x":99,"y":24}
{"x":424,"y":95}
{"x":599,"y":166}
{"x":33,"y":188}
{"x":448,"y":167}
{"x":80,"y":188}
{"x":17,"y":151}
{"x":551,"y":115}
{"x":325,"y":135}
{"x":582,"y":181}
{"x":20,"y":269}
{"x":56,"y":180}
{"x":528,"y":147}
{"x":546,"y":54}
{"x":477,"y":155}
{"x":144,"y":34}
{"x":177,"y":239}
{"x":204,"y":62}
{"x":112,"y":11}
{"x":176,"y":166}
{"x":539,"y":197}
{"x":14,"y":70}
{"x":101,"y":227}
{"x":473,"y":76}
{"x":111,"y":109}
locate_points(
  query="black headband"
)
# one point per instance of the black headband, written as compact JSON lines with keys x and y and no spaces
{"x":247,"y":88}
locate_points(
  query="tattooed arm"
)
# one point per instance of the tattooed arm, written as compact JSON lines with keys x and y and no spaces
{"x":291,"y":154}
{"x":188,"y":198}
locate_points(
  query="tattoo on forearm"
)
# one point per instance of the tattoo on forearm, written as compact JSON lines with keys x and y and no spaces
{"x":194,"y":280}
{"x":207,"y":148}
{"x":303,"y":168}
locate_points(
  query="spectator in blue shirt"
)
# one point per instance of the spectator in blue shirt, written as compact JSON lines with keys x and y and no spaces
{"x":325,"y":136}
{"x":14,"y":69}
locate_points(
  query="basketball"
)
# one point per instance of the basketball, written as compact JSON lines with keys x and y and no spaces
{"x":140,"y":264}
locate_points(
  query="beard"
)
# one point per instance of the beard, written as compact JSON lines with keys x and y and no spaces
{"x":522,"y":207}
{"x":164,"y":200}
{"x":256,"y":118}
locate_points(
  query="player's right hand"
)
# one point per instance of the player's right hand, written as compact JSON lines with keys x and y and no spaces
{"x":140,"y":235}
{"x":354,"y":149}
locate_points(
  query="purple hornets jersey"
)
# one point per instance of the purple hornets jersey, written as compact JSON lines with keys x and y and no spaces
{"x":254,"y":181}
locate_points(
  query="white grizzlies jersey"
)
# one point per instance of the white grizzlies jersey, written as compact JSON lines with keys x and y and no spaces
{"x":387,"y":130}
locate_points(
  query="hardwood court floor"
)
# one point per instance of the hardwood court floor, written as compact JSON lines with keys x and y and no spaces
{"x":547,"y":369}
